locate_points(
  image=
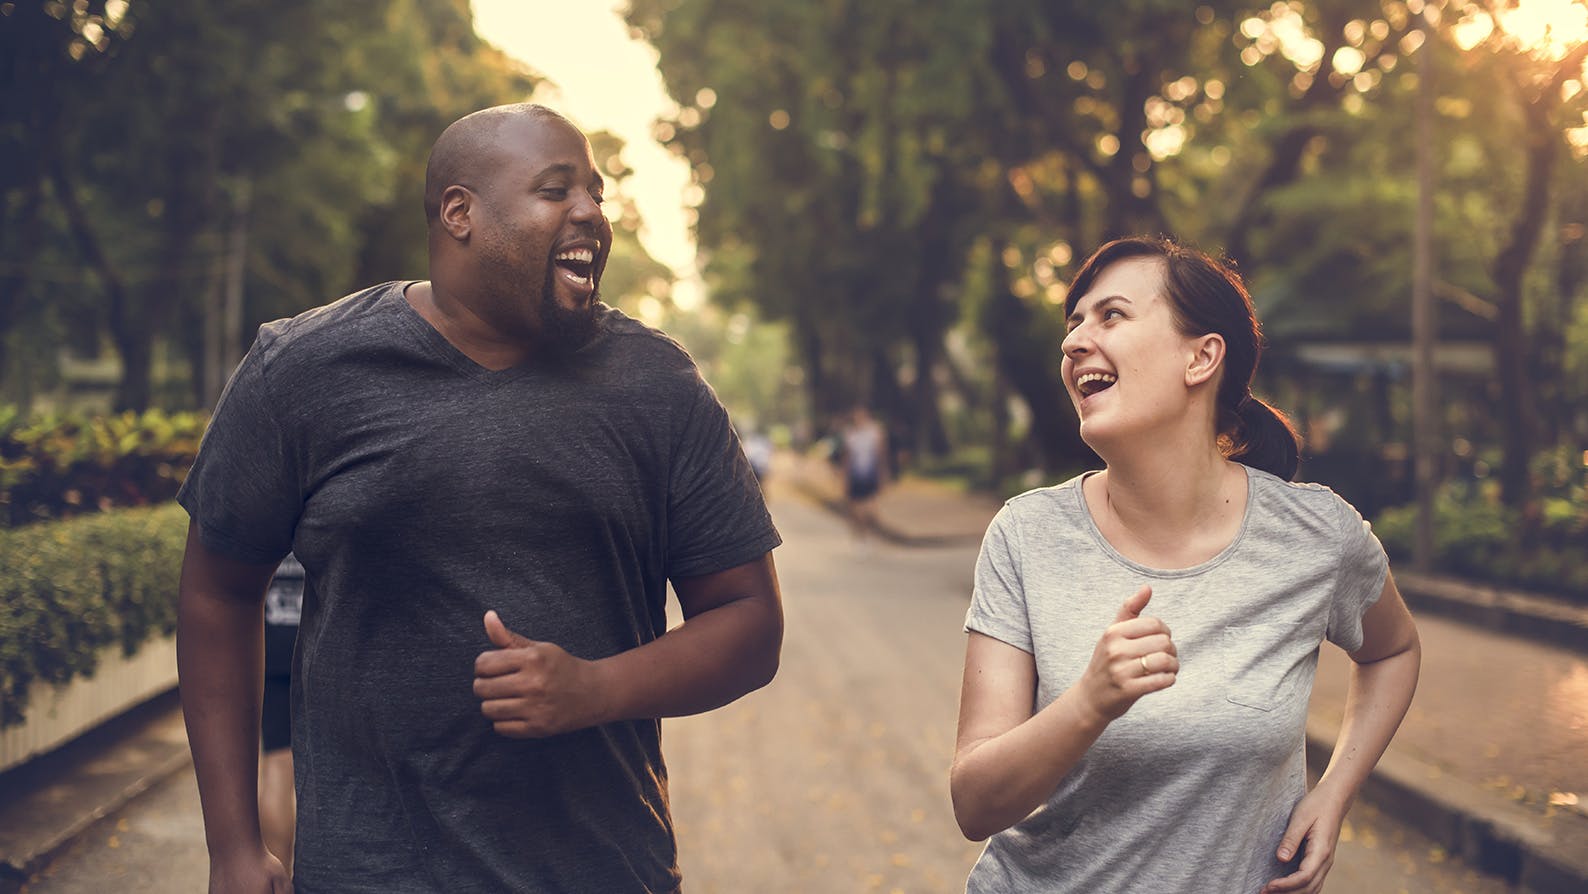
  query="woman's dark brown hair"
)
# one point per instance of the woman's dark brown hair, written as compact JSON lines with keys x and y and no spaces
{"x":1207,"y":295}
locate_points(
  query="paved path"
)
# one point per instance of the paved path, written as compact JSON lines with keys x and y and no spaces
{"x":831,"y":780}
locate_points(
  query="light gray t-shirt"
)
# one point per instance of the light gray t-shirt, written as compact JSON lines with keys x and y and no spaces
{"x":1191,"y":789}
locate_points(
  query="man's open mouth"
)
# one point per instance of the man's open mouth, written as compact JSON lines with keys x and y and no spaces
{"x":577,"y":265}
{"x":1091,"y":383}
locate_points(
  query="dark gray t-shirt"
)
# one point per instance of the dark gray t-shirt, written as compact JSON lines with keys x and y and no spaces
{"x":1188,"y":792}
{"x":419,"y":489}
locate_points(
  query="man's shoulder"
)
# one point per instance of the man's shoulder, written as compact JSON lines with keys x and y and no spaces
{"x":637,"y":336}
{"x":334,"y":326}
{"x":648,"y":349}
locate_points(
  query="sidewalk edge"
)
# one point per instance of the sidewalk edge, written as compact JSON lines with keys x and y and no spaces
{"x":1538,"y":854}
{"x":19,"y":865}
{"x":1543,"y":619}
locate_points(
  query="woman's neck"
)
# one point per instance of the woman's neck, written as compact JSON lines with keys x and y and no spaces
{"x":1167,"y":504}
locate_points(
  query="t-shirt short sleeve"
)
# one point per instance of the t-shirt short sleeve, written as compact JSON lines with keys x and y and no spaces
{"x":998,"y":600}
{"x":243,"y":490}
{"x":717,"y":518}
{"x":1359,"y":579}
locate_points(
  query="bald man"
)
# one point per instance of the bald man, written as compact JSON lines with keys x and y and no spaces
{"x":489,"y":479}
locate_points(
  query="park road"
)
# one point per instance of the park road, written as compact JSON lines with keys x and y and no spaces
{"x":832,"y":780}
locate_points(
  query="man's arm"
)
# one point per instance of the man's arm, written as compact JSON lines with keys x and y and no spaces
{"x":727,"y":646}
{"x":220,"y":662}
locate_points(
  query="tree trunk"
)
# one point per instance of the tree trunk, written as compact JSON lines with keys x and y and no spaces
{"x":14,"y":280}
{"x":1425,"y":331}
{"x":1571,"y":271}
{"x":123,"y":322}
{"x":1026,"y":359}
{"x":1129,"y":213}
{"x":1510,"y":338}
{"x":1511,"y":350}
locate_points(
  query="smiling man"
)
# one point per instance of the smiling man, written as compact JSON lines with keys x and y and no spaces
{"x":489,"y":479}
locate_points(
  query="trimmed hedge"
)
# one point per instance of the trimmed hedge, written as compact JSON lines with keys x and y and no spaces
{"x":54,"y":467}
{"x":1478,"y":537}
{"x":70,"y":588}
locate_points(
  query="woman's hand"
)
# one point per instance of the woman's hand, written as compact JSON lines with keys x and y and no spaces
{"x":1134,"y":657}
{"x":1315,"y":821}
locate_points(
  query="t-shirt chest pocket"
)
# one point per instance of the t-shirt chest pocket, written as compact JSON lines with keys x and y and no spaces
{"x":1260,"y":663}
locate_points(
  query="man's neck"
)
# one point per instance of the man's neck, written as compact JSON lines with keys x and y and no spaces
{"x":464,"y":329}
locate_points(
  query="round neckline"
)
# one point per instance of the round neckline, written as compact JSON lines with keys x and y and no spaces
{"x":1166,"y":573}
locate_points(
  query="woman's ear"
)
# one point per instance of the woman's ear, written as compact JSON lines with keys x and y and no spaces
{"x":1207,"y":355}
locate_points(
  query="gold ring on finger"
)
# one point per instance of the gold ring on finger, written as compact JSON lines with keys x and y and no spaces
{"x":1144,"y":668}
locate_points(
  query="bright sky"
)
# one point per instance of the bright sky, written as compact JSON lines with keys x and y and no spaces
{"x":605,"y":80}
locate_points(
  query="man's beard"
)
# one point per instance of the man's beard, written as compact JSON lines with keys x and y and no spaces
{"x":563,"y":331}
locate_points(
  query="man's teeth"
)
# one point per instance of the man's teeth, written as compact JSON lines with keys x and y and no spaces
{"x":579,"y":255}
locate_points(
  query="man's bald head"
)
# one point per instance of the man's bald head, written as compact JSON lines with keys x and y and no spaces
{"x":468,"y":143}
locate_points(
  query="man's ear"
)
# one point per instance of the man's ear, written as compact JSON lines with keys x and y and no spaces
{"x":1207,"y":355}
{"x":457,"y":203}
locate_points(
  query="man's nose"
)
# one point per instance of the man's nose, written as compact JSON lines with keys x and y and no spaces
{"x":586,"y":208}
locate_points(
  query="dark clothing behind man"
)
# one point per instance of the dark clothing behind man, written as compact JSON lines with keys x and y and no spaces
{"x":420,"y":489}
{"x":283,"y":608}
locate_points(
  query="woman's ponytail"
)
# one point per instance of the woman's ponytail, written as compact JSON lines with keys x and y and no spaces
{"x":1263,"y":438}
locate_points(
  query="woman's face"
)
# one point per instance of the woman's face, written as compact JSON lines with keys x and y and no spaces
{"x":1125,"y":361}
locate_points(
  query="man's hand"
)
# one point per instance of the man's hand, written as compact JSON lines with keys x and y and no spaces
{"x":531,"y":690}
{"x":257,"y":872}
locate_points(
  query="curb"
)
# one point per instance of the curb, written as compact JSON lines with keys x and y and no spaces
{"x":1538,"y":853}
{"x":90,"y":797}
{"x":1541,"y":618}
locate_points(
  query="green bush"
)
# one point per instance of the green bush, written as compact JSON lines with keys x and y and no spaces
{"x":60,"y":466}
{"x":1478,"y":537}
{"x":70,"y":588}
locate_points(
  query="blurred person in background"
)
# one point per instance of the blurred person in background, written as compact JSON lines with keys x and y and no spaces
{"x":863,"y":457}
{"x":489,"y":478}
{"x":277,"y":800}
{"x":758,"y":449}
{"x":1143,"y":638}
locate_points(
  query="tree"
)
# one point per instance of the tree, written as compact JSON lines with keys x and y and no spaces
{"x":156,"y":136}
{"x":877,"y":186}
{"x":1535,"y":76}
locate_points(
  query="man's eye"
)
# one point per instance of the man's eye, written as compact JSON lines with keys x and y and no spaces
{"x":598,"y":197}
{"x":554,"y":192}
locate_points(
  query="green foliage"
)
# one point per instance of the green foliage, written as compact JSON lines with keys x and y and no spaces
{"x":1478,"y":536}
{"x":191,"y":134}
{"x":875,"y":186}
{"x":747,"y":361}
{"x":68,"y":589}
{"x":59,"y":466}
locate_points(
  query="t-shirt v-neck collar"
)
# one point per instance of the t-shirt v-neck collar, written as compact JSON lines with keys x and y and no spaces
{"x":439,"y":347}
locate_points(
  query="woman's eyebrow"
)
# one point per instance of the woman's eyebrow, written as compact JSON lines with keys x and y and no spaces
{"x":1100,"y":303}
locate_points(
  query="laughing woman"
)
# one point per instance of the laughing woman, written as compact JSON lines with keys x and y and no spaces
{"x":1143,"y":639}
